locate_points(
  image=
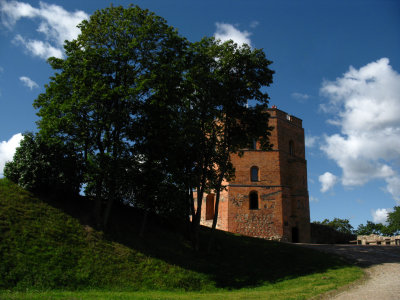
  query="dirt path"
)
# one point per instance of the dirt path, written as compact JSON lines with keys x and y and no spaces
{"x":382,"y":265}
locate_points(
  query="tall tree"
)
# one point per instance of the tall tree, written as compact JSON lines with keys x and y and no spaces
{"x":221,"y":79}
{"x":111,"y":71}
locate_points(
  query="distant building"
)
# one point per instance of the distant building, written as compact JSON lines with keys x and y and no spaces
{"x":375,"y":239}
{"x":269,"y":196}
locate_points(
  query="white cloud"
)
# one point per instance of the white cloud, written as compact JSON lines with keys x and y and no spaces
{"x":226,"y":32}
{"x":7,"y":150}
{"x":12,"y":11}
{"x":39,"y":48}
{"x":313,"y":199}
{"x":380,"y":215}
{"x":328,"y":180}
{"x":366,"y":105}
{"x":393,"y":187}
{"x":56,"y":24}
{"x":310,"y":140}
{"x":28,"y":82}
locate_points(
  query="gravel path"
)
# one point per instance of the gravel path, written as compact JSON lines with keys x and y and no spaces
{"x":382,"y":265}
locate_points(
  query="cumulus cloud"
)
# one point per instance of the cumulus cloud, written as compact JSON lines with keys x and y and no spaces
{"x":313,"y":199}
{"x":55,"y":23}
{"x":328,"y":180}
{"x":365,"y":103}
{"x":226,"y":32}
{"x":380,"y":215}
{"x":38,"y":48}
{"x":28,"y":82}
{"x":7,"y":150}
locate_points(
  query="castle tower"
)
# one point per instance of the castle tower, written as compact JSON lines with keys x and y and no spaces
{"x":269,"y":196}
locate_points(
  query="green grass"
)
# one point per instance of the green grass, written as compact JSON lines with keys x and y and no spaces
{"x":46,"y":253}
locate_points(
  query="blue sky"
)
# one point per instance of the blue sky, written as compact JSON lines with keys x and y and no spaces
{"x":337,"y":67}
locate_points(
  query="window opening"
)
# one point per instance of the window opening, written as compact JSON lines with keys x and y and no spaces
{"x":253,"y":200}
{"x":210,"y":207}
{"x":254,"y":173}
{"x":291,"y":148}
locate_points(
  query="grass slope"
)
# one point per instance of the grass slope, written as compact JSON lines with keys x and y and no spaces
{"x":42,"y":248}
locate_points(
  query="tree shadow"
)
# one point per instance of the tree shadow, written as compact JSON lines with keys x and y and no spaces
{"x":235,"y":261}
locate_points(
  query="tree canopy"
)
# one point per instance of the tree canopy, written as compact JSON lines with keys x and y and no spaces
{"x":149,"y":116}
{"x":341,"y":225}
{"x":392,"y":226}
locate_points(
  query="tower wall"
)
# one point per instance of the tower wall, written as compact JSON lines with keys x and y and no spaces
{"x":282,"y":210}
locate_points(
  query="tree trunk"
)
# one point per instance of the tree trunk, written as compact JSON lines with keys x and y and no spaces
{"x":107,"y":211}
{"x":190,"y":213}
{"x":144,"y":223}
{"x":215,"y":219}
{"x":98,"y":204}
{"x":196,"y":221}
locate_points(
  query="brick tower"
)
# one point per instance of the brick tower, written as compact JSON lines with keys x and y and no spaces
{"x":269,"y":196}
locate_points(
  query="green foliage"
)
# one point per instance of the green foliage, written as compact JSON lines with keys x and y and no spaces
{"x":341,"y":225}
{"x":43,"y":248}
{"x":45,"y":168}
{"x":121,"y":63}
{"x":216,"y":121}
{"x":147,"y":113}
{"x":394,"y":221}
{"x":392,"y":227}
{"x":371,"y":228}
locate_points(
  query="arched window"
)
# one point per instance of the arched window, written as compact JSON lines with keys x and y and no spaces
{"x":291,"y":148}
{"x":253,"y":197}
{"x":254,"y":173}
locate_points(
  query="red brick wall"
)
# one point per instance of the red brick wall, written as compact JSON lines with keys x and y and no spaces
{"x":281,"y":187}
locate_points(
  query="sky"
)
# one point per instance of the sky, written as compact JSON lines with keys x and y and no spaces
{"x":336,"y":63}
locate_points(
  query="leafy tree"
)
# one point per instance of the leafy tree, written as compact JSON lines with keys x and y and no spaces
{"x":115,"y":67}
{"x":392,"y":227}
{"x":220,"y":80}
{"x":341,"y":225}
{"x":370,"y":228}
{"x":45,"y":168}
{"x":147,"y":113}
{"x":394,"y":221}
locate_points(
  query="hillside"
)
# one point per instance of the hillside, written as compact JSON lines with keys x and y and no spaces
{"x":43,"y":247}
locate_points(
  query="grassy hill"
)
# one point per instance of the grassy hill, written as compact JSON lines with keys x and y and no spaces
{"x":44,"y":248}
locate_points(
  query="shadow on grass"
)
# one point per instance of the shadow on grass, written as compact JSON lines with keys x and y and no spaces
{"x":235,"y":261}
